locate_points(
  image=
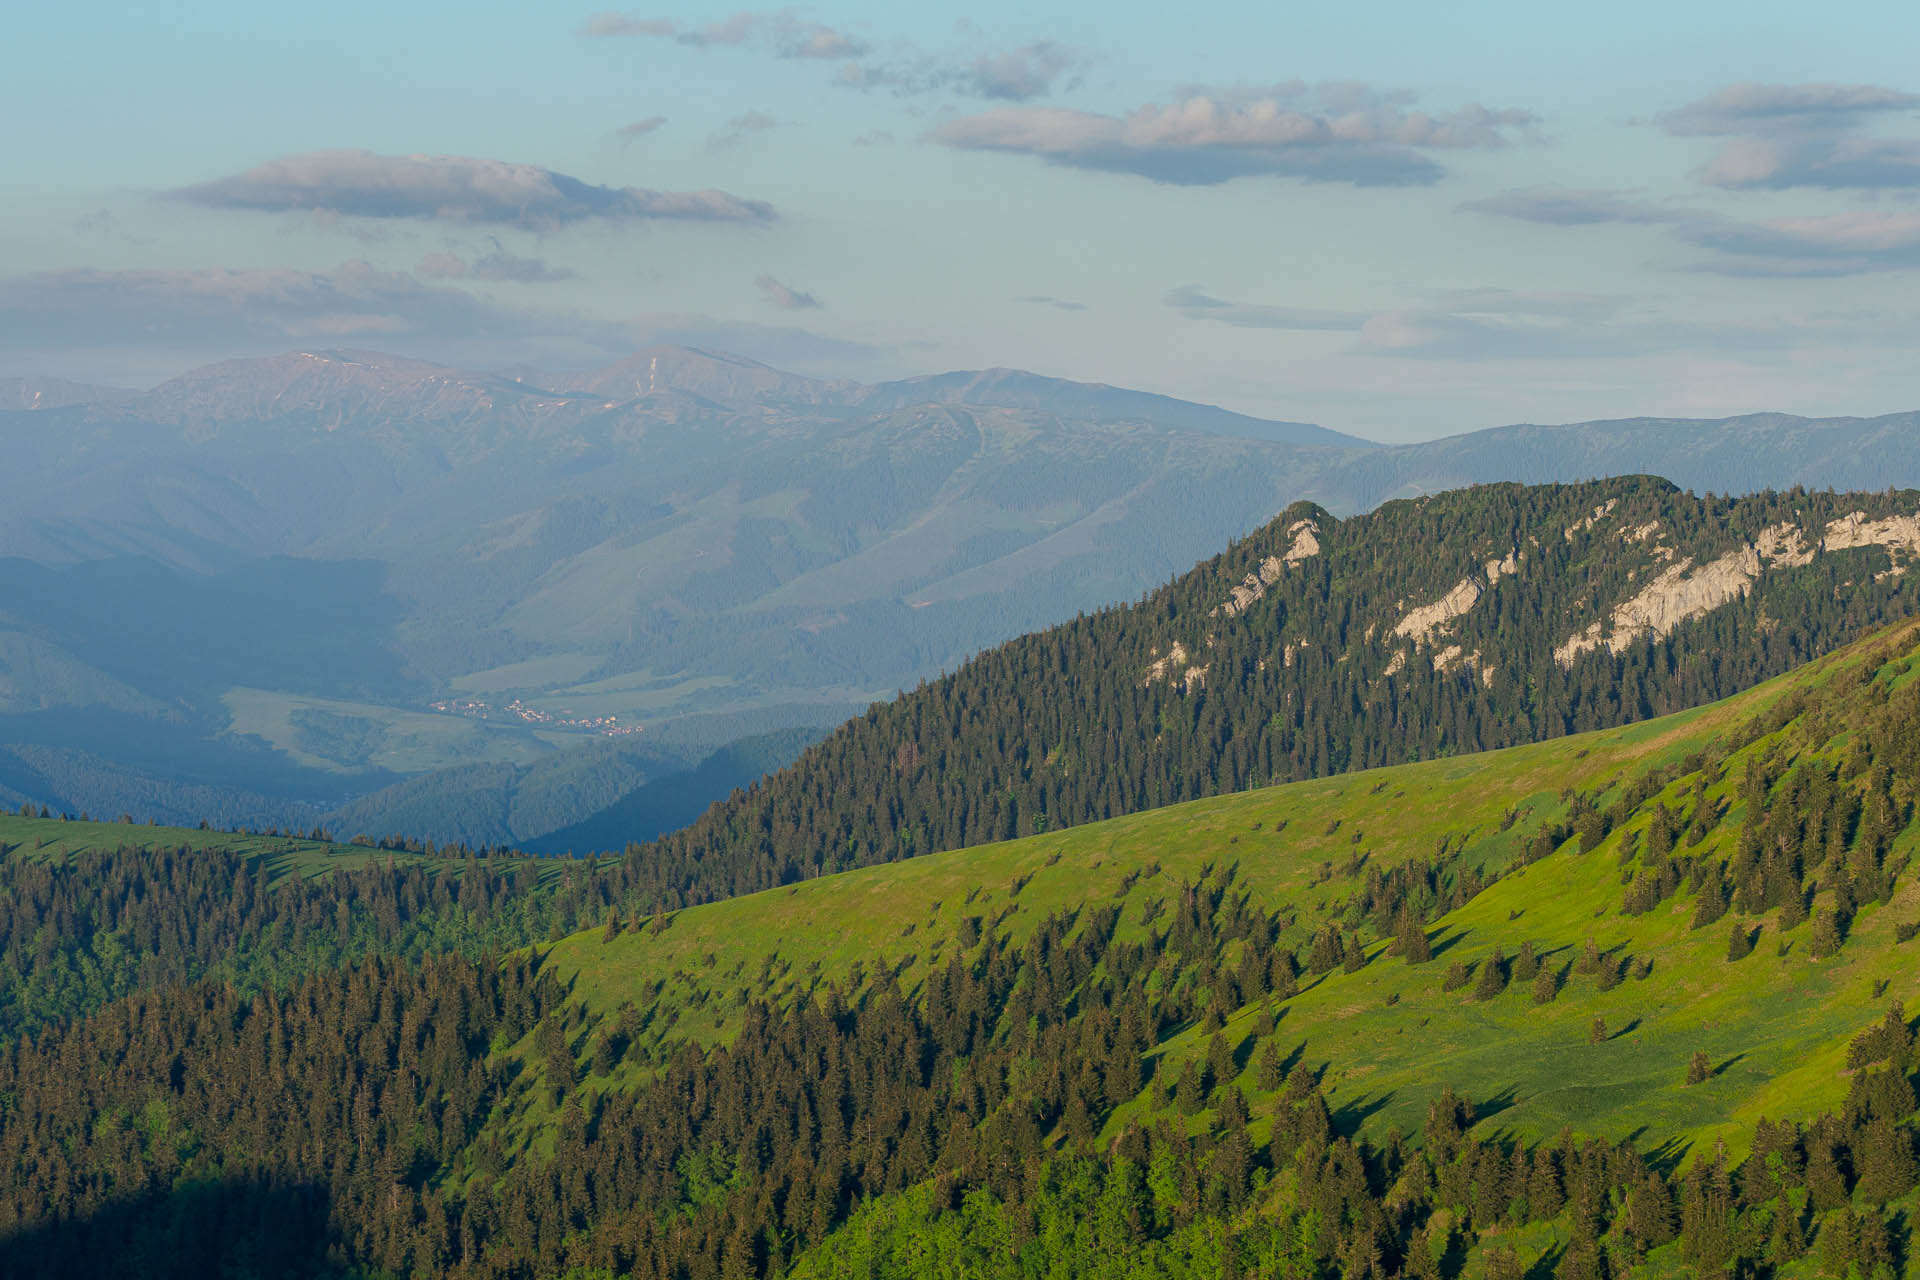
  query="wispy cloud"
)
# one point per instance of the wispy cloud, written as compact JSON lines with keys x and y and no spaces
{"x":740,"y":128}
{"x":785,"y":296}
{"x":1837,"y":244}
{"x":779,"y":33}
{"x":632,"y":133}
{"x":1058,"y":304}
{"x":1195,"y":304}
{"x":1575,"y":207}
{"x":495,"y":266}
{"x":1782,"y":136}
{"x":149,"y":317}
{"x":363,"y":184}
{"x":1494,"y":324}
{"x":1845,"y":162}
{"x":1773,"y":108}
{"x":1290,"y":130}
{"x":1019,"y":74}
{"x":241,"y":308}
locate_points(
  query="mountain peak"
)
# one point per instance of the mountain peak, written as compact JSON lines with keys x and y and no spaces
{"x":1098,"y":401}
{"x":713,"y":375}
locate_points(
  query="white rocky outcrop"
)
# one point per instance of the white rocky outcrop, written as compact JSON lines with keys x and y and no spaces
{"x":1306,"y":541}
{"x":1305,"y":545}
{"x":1420,"y":625}
{"x":1600,"y":513}
{"x":1682,"y":592}
{"x":1896,"y":533}
{"x":1640,"y":533}
{"x":1161,"y":668}
{"x":1252,"y":587}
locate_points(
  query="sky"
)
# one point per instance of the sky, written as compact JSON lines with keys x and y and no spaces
{"x":1397,"y":220}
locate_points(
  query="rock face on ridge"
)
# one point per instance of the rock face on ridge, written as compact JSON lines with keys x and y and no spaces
{"x":1254,"y":669}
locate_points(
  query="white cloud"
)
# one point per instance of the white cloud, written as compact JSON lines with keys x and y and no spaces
{"x":1204,"y":139}
{"x":1782,"y":136}
{"x":779,"y":33}
{"x":1771,"y":108}
{"x":363,"y":184}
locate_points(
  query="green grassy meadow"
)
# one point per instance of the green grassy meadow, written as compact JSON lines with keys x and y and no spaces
{"x":57,"y":840}
{"x":1774,"y":1024}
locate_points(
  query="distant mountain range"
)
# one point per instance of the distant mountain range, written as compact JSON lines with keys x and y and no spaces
{"x":357,"y":570}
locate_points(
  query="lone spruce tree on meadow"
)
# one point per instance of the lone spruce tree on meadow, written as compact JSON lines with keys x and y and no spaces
{"x":1493,"y":976}
{"x":1546,"y":985}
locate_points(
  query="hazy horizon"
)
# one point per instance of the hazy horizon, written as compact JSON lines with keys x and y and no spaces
{"x":1388,"y":223}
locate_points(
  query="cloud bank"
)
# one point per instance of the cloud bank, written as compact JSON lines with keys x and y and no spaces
{"x":1496,"y":324}
{"x":1318,"y":134}
{"x":146,"y":317}
{"x":1835,"y":244}
{"x":1783,"y":136}
{"x":363,"y":184}
{"x":1010,"y":75}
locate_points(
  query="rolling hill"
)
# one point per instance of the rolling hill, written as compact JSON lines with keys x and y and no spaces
{"x":1629,"y":1002}
{"x":466,"y":569}
{"x":1319,"y":646}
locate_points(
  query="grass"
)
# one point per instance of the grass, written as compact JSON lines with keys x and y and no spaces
{"x":1774,"y":1025}
{"x":57,"y":840}
{"x":353,"y":737}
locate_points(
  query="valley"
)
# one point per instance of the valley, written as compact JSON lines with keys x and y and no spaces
{"x":686,"y":545}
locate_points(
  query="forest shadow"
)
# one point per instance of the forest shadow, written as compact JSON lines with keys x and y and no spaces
{"x":1349,"y":1116}
{"x":1487,"y":1108}
{"x":234,"y":1230}
{"x":1666,"y":1157}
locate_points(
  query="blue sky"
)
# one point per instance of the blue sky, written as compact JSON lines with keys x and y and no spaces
{"x":1398,"y":220}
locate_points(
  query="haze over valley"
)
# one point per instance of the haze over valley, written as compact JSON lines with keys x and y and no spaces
{"x":862,"y":642}
{"x":277,"y":589}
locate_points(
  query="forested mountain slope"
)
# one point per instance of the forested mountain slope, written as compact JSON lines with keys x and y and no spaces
{"x":1475,"y":619}
{"x":271,"y":588}
{"x":1631,"y":1005}
{"x":371,"y":569}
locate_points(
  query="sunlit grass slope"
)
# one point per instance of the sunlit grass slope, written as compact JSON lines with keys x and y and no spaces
{"x":56,"y":840}
{"x":1389,"y":1035}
